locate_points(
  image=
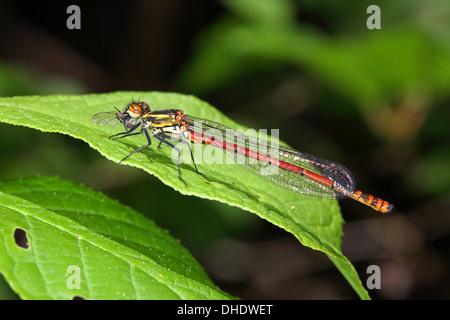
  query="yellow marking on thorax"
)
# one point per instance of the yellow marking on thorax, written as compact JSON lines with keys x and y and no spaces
{"x":161,"y":120}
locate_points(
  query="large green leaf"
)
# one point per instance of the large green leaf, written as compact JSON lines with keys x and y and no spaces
{"x":83,"y":244}
{"x":317,"y":223}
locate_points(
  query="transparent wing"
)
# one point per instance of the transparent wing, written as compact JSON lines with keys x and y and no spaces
{"x":276,"y":175}
{"x":103,"y":118}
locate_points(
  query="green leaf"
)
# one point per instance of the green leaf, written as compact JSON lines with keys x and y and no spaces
{"x":316,"y":223}
{"x":72,"y":231}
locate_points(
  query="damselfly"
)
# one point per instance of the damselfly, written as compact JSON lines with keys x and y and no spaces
{"x":294,"y":170}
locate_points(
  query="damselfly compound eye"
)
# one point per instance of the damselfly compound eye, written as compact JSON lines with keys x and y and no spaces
{"x":134,"y":110}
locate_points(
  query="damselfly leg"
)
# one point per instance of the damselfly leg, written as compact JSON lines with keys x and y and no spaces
{"x":127,"y":133}
{"x":162,"y":138}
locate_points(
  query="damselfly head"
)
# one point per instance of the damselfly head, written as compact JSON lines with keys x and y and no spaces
{"x":129,"y":117}
{"x":137,"y":109}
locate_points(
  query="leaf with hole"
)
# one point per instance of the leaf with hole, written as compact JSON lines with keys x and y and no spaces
{"x":316,"y":223}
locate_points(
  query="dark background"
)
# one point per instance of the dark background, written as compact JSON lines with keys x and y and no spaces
{"x":373,"y":100}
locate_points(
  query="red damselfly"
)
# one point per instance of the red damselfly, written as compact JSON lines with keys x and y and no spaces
{"x":297,"y":171}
